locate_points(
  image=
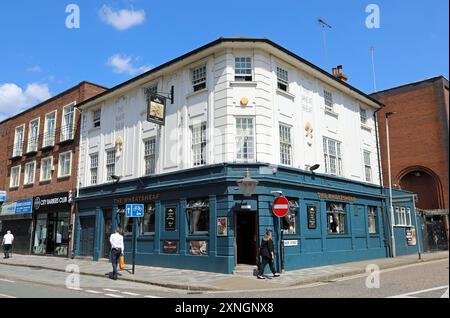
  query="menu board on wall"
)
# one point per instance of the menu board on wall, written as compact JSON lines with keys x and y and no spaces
{"x":170,"y":247}
{"x":312,"y":216}
{"x":170,"y":219}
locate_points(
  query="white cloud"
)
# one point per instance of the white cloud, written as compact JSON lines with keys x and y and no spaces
{"x":122,"y":19}
{"x":124,"y":64}
{"x":14,"y":99}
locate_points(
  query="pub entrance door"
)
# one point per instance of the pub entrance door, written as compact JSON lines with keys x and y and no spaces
{"x":246,"y":248}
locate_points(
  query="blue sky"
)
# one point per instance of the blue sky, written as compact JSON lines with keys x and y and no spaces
{"x":40,"y":56}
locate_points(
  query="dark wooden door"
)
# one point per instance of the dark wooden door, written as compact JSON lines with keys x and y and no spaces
{"x":87,"y":236}
{"x":246,"y":238}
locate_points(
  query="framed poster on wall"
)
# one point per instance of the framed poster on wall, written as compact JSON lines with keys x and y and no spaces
{"x":311,"y":216}
{"x":198,"y":248}
{"x":222,"y":226}
{"x":170,"y":247}
{"x":170,"y":219}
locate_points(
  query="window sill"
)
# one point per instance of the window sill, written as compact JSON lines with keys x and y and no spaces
{"x":66,"y":141}
{"x":13,"y":188}
{"x":28,"y":185}
{"x":403,"y":226}
{"x":45,"y":181}
{"x":92,"y":129}
{"x":15,"y":157}
{"x":31,"y":153}
{"x":331,"y":113}
{"x":285,"y":94}
{"x":365,"y":127}
{"x":195,"y":93}
{"x":64,"y":177}
{"x":243,"y":84}
{"x":45,"y":148}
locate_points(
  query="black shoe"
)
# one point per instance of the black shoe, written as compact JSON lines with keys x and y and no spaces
{"x":115,"y":277}
{"x":276,"y":275}
{"x":261,"y":277}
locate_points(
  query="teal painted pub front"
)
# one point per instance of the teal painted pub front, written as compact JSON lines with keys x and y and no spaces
{"x":199,"y":219}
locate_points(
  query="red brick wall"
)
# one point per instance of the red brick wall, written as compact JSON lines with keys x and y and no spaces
{"x":418,"y":132}
{"x":78,"y":94}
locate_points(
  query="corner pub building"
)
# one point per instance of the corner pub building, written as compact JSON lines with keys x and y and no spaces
{"x":240,"y":107}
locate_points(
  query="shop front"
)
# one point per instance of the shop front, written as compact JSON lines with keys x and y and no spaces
{"x":16,"y":216}
{"x":51,"y":215}
{"x":208,"y":224}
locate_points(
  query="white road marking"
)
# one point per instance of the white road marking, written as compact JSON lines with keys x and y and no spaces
{"x":115,"y":296}
{"x":111,"y":290}
{"x":93,"y":292}
{"x":408,"y":295}
{"x":149,"y":296}
{"x":75,"y":288}
{"x":6,"y":296}
{"x":131,"y":294}
{"x":7,"y":280}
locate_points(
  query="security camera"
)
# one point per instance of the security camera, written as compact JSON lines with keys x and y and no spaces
{"x":277,"y":193}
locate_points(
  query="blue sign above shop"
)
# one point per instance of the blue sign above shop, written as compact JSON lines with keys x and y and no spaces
{"x":134,"y":210}
{"x":17,"y":207}
{"x":2,"y":196}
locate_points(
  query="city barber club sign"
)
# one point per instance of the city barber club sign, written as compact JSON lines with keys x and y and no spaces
{"x":52,"y":201}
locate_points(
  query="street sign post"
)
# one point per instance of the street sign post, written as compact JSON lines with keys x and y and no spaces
{"x":134,"y":211}
{"x":280,"y":209}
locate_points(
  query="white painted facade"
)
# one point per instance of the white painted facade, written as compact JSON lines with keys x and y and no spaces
{"x":123,"y":116}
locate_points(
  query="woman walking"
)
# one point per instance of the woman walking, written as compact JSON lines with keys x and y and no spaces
{"x":267,"y":255}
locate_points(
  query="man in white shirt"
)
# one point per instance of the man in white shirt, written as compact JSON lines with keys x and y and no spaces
{"x":117,"y":248}
{"x":7,"y":242}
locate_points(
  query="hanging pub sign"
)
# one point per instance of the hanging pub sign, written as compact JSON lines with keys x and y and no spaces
{"x":170,"y":219}
{"x":156,"y":109}
{"x":312,"y":216}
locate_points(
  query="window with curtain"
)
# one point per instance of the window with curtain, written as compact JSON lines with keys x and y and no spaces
{"x":336,"y":216}
{"x":198,"y":214}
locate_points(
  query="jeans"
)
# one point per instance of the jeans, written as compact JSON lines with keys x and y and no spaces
{"x":263,"y":264}
{"x":115,"y":257}
{"x":7,"y":249}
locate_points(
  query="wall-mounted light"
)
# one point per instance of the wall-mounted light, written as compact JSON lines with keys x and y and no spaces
{"x":247,"y":185}
{"x":115,"y":177}
{"x":314,"y":167}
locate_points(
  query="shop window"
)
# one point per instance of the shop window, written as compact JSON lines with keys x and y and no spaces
{"x":289,"y":221}
{"x":128,"y":226}
{"x":198,"y":217}
{"x":40,"y":235}
{"x":372,"y":219}
{"x":148,"y":223}
{"x":336,"y":218}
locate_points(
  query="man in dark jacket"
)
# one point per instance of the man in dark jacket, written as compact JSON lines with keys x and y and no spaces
{"x":267,"y":255}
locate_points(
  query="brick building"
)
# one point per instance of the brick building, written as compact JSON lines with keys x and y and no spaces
{"x":419,"y":136}
{"x":38,"y":172}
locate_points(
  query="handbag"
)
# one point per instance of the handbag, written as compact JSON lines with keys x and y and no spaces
{"x":122,"y":262}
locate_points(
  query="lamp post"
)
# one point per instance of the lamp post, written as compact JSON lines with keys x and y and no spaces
{"x":389,"y":114}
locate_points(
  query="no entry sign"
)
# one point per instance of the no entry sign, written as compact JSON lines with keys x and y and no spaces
{"x":280,"y":206}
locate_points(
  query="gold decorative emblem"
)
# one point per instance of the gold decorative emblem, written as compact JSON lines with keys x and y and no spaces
{"x":244,"y":101}
{"x":309,"y":133}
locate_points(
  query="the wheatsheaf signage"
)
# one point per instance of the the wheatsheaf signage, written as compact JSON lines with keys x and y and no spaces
{"x":137,"y":199}
{"x":53,"y":201}
{"x":330,"y":196}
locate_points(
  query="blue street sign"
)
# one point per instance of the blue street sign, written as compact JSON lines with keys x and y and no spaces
{"x":134,"y":210}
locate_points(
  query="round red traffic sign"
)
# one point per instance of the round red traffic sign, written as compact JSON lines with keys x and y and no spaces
{"x":280,"y":206}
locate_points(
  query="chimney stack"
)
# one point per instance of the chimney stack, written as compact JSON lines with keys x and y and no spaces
{"x":339,"y":74}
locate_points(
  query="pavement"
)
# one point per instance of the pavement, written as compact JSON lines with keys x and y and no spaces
{"x":192,"y":280}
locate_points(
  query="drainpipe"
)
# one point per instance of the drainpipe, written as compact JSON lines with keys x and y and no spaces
{"x":73,"y":216}
{"x":380,"y":177}
{"x":417,"y":227}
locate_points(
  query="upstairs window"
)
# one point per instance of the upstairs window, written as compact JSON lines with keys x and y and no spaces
{"x":199,"y":78}
{"x":18,"y":141}
{"x":150,"y":156}
{"x":110,"y":164}
{"x":363,"y":115}
{"x":96,"y":117}
{"x":94,"y":168}
{"x":285,"y":145}
{"x":29,"y":172}
{"x":243,"y":69}
{"x":282,"y":79}
{"x":245,"y":139}
{"x":33,"y":135}
{"x":49,"y":130}
{"x":332,"y":156}
{"x":64,"y":164}
{"x":199,"y":145}
{"x":328,"y":100}
{"x":367,"y":166}
{"x":67,"y":125}
{"x":46,"y":169}
{"x":15,"y":177}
